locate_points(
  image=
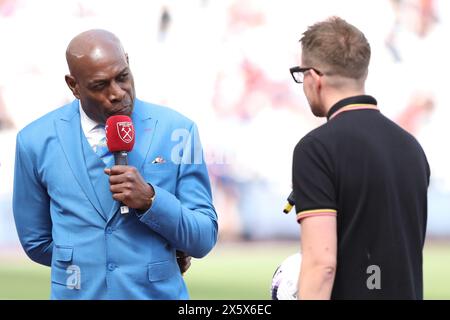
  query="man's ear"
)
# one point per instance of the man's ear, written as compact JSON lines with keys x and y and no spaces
{"x":72,"y":84}
{"x":317,"y":80}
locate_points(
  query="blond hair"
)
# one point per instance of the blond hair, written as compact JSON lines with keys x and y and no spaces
{"x":337,"y":47}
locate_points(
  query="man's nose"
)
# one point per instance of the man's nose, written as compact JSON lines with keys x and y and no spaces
{"x":116,"y":93}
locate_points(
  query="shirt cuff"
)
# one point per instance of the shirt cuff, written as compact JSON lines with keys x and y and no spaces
{"x":140,"y":213}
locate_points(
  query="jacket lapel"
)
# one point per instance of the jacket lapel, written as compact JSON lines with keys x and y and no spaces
{"x":144,"y":128}
{"x":68,"y":129}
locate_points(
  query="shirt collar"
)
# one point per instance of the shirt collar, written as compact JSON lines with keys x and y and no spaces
{"x":356,"y":100}
{"x":87,"y":124}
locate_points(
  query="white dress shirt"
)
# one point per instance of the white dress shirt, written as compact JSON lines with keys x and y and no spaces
{"x":91,"y":129}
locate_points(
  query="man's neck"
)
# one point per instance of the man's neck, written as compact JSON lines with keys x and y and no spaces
{"x":334,"y":97}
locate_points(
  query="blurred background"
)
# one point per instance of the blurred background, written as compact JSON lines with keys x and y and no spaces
{"x":225,"y":64}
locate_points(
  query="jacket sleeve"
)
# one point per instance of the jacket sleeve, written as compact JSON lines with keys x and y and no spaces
{"x":187,"y":219}
{"x":31,"y":207}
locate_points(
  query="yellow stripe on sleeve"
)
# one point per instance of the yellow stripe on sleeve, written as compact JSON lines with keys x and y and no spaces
{"x":316,"y":212}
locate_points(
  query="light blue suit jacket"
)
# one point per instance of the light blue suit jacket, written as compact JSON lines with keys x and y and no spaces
{"x":66,"y":217}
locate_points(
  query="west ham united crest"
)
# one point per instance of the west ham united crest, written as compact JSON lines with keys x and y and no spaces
{"x":125,"y":131}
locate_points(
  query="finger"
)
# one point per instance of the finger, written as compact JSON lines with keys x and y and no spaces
{"x":188,"y":261}
{"x":120,"y":196}
{"x":121,"y":187}
{"x":115,"y":170}
{"x":107,"y":171}
{"x":118,"y":179}
{"x":131,"y":175}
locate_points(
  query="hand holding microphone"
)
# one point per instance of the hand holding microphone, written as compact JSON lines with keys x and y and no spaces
{"x":126,"y":183}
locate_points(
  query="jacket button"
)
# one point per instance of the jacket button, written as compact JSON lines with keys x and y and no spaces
{"x":111,"y":266}
{"x":109,"y":230}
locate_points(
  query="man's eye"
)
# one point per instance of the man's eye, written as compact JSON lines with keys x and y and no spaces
{"x":123,"y":76}
{"x":98,"y":86}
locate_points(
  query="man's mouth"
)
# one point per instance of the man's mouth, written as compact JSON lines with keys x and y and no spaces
{"x":124,"y":110}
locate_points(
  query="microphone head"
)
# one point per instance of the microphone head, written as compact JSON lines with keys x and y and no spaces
{"x":119,"y":133}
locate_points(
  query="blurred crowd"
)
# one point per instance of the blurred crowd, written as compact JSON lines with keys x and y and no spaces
{"x":226,"y":64}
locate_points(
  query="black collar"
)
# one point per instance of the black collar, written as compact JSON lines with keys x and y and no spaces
{"x":363,"y":99}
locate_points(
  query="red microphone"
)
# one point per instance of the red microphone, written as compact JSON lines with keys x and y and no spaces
{"x":120,"y":140}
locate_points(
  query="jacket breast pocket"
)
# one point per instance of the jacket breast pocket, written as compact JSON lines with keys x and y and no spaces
{"x":163,"y":175}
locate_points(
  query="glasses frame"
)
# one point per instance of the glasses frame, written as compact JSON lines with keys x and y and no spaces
{"x":297,"y":69}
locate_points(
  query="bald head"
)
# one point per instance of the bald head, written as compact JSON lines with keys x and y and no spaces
{"x":92,"y":46}
{"x":100,"y":76}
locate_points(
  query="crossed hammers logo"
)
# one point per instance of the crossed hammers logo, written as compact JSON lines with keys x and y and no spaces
{"x":125,"y":130}
{"x":127,"y":133}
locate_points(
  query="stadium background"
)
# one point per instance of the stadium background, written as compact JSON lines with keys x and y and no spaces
{"x":225,"y":65}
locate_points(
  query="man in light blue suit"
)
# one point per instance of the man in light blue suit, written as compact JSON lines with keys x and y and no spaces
{"x":66,"y":197}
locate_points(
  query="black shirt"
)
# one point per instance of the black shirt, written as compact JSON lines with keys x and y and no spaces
{"x":373,"y":175}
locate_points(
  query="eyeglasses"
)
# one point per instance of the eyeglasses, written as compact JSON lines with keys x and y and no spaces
{"x":298,"y":73}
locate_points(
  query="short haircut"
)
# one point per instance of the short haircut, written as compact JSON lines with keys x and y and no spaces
{"x":337,"y":47}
